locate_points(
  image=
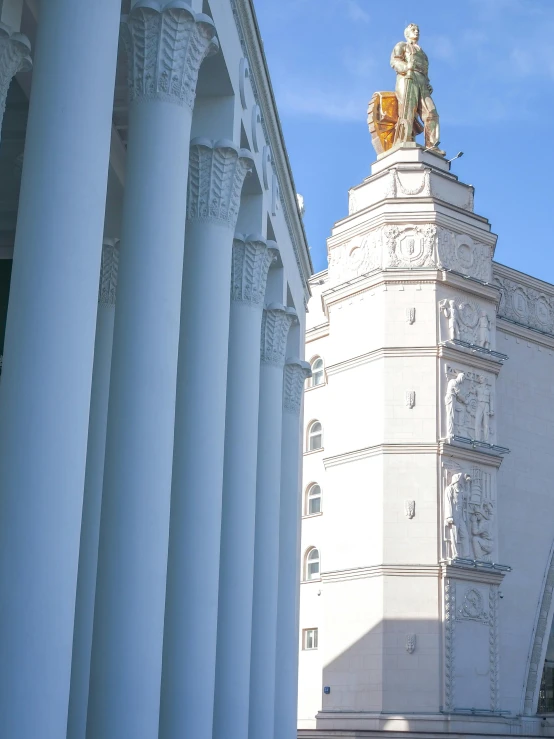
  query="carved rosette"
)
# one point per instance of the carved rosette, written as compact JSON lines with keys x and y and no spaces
{"x":15,"y":56}
{"x":216,"y":175}
{"x":276,"y":322}
{"x":296,"y":373}
{"x":252,"y":257}
{"x":166,"y":43}
{"x":109,"y":267}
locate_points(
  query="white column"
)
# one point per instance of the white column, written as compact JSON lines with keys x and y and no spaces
{"x":252,"y":256}
{"x":48,"y":358}
{"x":90,"y":527}
{"x":166,"y":45}
{"x":216,"y":176}
{"x":286,"y":672}
{"x":15,"y":56}
{"x":275,"y":327}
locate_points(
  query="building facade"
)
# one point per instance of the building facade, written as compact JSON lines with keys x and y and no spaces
{"x":427,"y":536}
{"x":153,"y":282}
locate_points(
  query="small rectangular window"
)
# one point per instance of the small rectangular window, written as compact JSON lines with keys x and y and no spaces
{"x":310,"y":638}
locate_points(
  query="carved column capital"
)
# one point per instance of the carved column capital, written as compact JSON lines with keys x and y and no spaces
{"x":15,"y":56}
{"x":216,"y":175}
{"x":276,"y":322}
{"x":252,"y":257}
{"x":166,"y":43}
{"x":109,"y":267}
{"x":296,"y":373}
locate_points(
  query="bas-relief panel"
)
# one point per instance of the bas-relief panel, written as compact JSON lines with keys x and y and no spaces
{"x":469,"y":512}
{"x":410,"y":246}
{"x":525,"y":305}
{"x":466,"y":320}
{"x":471,"y":646}
{"x":469,"y":406}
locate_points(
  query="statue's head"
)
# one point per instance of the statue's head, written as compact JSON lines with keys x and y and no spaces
{"x":411,"y":32}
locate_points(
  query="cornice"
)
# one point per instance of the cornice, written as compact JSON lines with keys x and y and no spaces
{"x":501,"y":270}
{"x":468,"y":454}
{"x":476,"y":573}
{"x":382,"y":570}
{"x":526,"y":333}
{"x":379,"y":450}
{"x":477,"y":360}
{"x":317,"y":332}
{"x":250,"y":38}
{"x":382,"y":353}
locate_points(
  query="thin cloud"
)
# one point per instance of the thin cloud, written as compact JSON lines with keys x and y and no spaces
{"x":316,"y":103}
{"x":356,"y":13}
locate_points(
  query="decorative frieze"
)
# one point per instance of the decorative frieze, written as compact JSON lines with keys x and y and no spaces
{"x":15,"y":56}
{"x":109,"y":267}
{"x":525,"y":305}
{"x":166,"y":43}
{"x":459,"y":252}
{"x":252,"y":257}
{"x":216,"y":175}
{"x":296,"y":373}
{"x":276,"y":322}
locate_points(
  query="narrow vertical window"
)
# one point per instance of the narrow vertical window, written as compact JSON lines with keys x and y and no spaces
{"x":310,"y":639}
{"x":318,"y":372}
{"x":315,"y":436}
{"x":313,"y":500}
{"x":312,"y":564}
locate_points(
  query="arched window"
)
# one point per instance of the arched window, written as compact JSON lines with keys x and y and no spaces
{"x":315,"y":436}
{"x":312,"y":564}
{"x":313,"y":500}
{"x":318,"y":372}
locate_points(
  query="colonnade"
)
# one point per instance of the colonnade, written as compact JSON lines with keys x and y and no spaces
{"x":149,"y":445}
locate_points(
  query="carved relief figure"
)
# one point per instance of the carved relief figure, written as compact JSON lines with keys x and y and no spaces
{"x":481,"y":540}
{"x":453,"y":394}
{"x":451,"y":312}
{"x":484,"y":331}
{"x":484,"y":409}
{"x":469,"y":514}
{"x":455,"y":516}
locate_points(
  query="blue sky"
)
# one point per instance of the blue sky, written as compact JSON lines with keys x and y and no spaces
{"x":492,"y":69}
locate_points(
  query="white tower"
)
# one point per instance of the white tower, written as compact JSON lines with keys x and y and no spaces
{"x":402,"y":567}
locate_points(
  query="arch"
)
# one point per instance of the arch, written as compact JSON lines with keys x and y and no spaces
{"x":539,"y":640}
{"x":312,"y":504}
{"x":318,"y":372}
{"x":312,"y":564}
{"x":314,"y":436}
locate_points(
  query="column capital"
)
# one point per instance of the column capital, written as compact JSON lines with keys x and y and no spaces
{"x":15,"y":56}
{"x":252,"y":257}
{"x":216,"y":175}
{"x":109,"y":267}
{"x":166,"y":43}
{"x":276,"y":322}
{"x":296,"y":373}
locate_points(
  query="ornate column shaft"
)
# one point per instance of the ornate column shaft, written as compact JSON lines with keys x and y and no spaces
{"x":92,"y":502}
{"x":252,"y":256}
{"x":15,"y":56}
{"x":286,"y":672}
{"x":276,"y":323}
{"x":166,"y":44}
{"x":216,"y":176}
{"x":48,"y":359}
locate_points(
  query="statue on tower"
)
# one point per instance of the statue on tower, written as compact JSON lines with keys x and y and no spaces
{"x":395,"y":118}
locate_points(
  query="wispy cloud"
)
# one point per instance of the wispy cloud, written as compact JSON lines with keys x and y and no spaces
{"x":355,"y":12}
{"x":317,"y":103}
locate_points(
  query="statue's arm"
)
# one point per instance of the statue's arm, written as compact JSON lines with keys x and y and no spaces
{"x":398,"y":58}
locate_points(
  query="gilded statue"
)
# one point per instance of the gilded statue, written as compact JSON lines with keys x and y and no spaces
{"x":395,"y":118}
